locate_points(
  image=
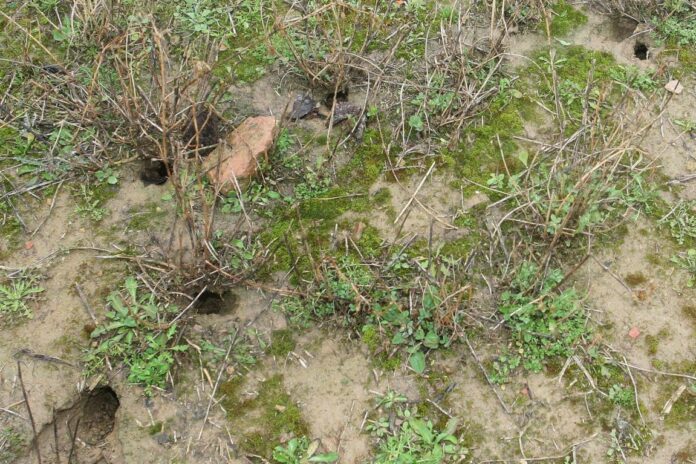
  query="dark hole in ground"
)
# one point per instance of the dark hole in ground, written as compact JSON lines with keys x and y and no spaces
{"x":202,"y":132}
{"x":153,"y":172}
{"x":212,"y":302}
{"x":98,"y":415}
{"x":640,"y":50}
{"x":341,"y":96}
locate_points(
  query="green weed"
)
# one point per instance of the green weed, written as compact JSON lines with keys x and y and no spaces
{"x":256,"y":198}
{"x":202,"y":18}
{"x":12,"y":443}
{"x":14,"y":299}
{"x":91,"y":199}
{"x":687,"y":261}
{"x":688,"y":125}
{"x":626,"y":440}
{"x":107,"y":175}
{"x":301,"y":451}
{"x":544,"y":323}
{"x":621,"y":396}
{"x":681,"y":222}
{"x":243,"y":352}
{"x":416,"y":439}
{"x":137,"y":333}
{"x":633,"y":77}
{"x":678,"y":30}
{"x":393,"y":307}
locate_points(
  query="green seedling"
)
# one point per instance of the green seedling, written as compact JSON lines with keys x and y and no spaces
{"x":137,"y":333}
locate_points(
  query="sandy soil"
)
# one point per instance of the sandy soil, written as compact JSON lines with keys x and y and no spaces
{"x":329,"y":374}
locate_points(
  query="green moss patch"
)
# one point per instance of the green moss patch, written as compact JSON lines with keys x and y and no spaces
{"x":565,"y":19}
{"x":267,"y":417}
{"x":282,"y":343}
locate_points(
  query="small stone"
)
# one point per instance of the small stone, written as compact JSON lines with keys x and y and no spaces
{"x":358,"y":230}
{"x":237,"y":157}
{"x":28,"y":245}
{"x":674,"y":86}
{"x":634,"y":332}
{"x":162,"y":438}
{"x":302,"y":106}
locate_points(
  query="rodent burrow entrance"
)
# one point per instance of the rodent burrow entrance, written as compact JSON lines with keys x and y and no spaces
{"x":200,"y":135}
{"x":214,"y":302}
{"x":78,"y":433}
{"x":640,"y":50}
{"x":97,"y":415}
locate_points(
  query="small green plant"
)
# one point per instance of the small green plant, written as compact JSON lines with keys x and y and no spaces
{"x":687,"y":261}
{"x":243,"y":352}
{"x":11,"y":444}
{"x":14,"y":297}
{"x":67,"y":30}
{"x":350,"y":286}
{"x":544,"y":323}
{"x":312,"y":186}
{"x":688,"y":125}
{"x":416,"y":440}
{"x":633,"y":77}
{"x":625,"y":439}
{"x":681,"y":221}
{"x":283,"y":143}
{"x":107,"y":175}
{"x":256,"y":198}
{"x":89,"y":206}
{"x":391,"y":399}
{"x":621,"y":396}
{"x":137,"y":333}
{"x":242,"y":254}
{"x":301,"y":451}
{"x":201,"y":18}
{"x":680,"y":30}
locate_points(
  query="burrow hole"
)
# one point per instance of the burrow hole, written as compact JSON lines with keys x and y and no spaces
{"x":640,"y":50}
{"x":214,"y":302}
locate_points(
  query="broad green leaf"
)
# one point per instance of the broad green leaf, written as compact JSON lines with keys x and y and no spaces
{"x":416,"y":122}
{"x":398,"y":339}
{"x":115,"y":301}
{"x":422,"y":429}
{"x":326,"y":457}
{"x":417,"y":362}
{"x":523,"y":156}
{"x":132,"y":288}
{"x":432,"y":340}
